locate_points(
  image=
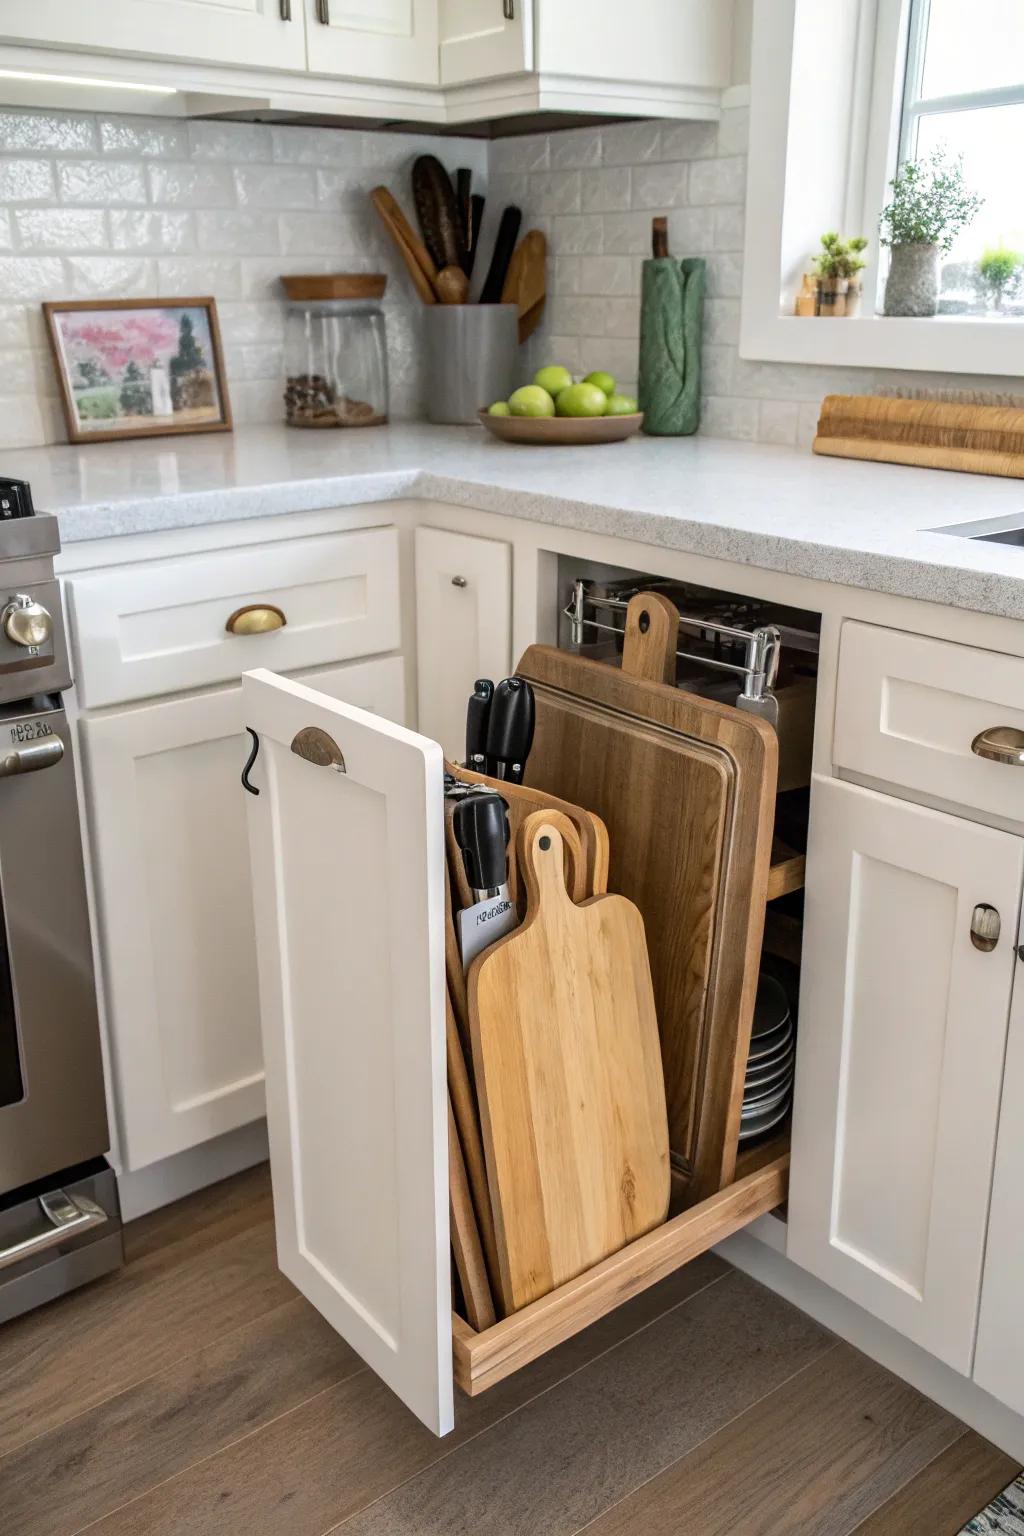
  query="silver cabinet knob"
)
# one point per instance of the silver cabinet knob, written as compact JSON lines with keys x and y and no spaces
{"x":459,"y":581}
{"x":986,"y":925}
{"x":26,"y":622}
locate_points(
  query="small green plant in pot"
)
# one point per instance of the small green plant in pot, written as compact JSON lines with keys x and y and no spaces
{"x":839,"y":264}
{"x":930,"y":206}
{"x":1001,"y":271}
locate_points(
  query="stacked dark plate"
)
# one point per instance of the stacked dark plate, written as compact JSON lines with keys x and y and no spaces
{"x":768,"y":1089}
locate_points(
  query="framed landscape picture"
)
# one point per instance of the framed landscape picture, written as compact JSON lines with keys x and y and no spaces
{"x":139,"y":367}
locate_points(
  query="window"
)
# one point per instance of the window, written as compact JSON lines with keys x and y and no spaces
{"x":964,"y":91}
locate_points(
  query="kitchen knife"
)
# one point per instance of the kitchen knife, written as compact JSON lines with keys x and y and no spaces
{"x":477,"y":711}
{"x":504,"y":245}
{"x":480,"y":824}
{"x":510,"y":730}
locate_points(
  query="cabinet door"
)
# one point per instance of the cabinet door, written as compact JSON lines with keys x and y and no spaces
{"x":167,"y":825}
{"x":999,"y":1361}
{"x":239,"y":32}
{"x":463,"y":627}
{"x":900,"y":1055}
{"x":347,"y":840}
{"x":482,"y":39}
{"x":391,"y":40}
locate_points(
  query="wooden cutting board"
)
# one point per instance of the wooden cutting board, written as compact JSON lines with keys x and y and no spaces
{"x":686,"y":788}
{"x":568,"y":1078}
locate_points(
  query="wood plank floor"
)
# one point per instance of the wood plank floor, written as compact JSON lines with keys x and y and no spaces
{"x":196,"y":1394}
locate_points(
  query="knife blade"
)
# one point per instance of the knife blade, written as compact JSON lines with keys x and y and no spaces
{"x":510,"y":729}
{"x":480,"y":824}
{"x":477,"y":712}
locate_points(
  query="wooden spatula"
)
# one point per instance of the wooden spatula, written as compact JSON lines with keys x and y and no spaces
{"x":568,"y":1078}
{"x":410,"y":247}
{"x":531,"y":288}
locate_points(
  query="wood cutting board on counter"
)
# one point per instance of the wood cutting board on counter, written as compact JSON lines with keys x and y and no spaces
{"x":686,"y":787}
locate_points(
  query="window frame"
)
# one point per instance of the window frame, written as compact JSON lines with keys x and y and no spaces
{"x":866,"y":84}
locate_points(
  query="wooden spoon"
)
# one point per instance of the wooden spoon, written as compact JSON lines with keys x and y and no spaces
{"x":531,"y":287}
{"x":411,"y":249}
{"x":452,"y":285}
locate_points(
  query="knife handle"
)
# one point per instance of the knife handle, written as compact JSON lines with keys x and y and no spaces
{"x":510,"y":729}
{"x":477,"y":712}
{"x":480,"y":823}
{"x":504,"y":245}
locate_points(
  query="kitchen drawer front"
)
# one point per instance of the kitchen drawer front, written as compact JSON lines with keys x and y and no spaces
{"x":909,"y":707}
{"x":161,"y":627}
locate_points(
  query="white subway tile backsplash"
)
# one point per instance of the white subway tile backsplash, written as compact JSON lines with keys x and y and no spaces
{"x":632,"y":143}
{"x":30,"y":279}
{"x":29,"y":420}
{"x":186,"y":185}
{"x":606,"y":190}
{"x":612,"y":275}
{"x":660,"y":187}
{"x":246,"y":233}
{"x":109,"y":277}
{"x":779,"y":422}
{"x":728,"y":225}
{"x":318,"y":234}
{"x":61,"y":229}
{"x":729,"y":418}
{"x":691,"y":231}
{"x":181,"y":277}
{"x":233,"y":143}
{"x":26,"y":181}
{"x":575,"y":234}
{"x":63,"y":133}
{"x":688,"y":141}
{"x":734,"y":131}
{"x":532,"y":152}
{"x":276,"y":186}
{"x":722,"y":321}
{"x":6,"y":230}
{"x":315,"y":146}
{"x":101,"y":182}
{"x":718,"y":181}
{"x":248,"y":323}
{"x":152,"y":232}
{"x":627,"y":234}
{"x":144,"y":136}
{"x":555,"y":192}
{"x":565,"y":275}
{"x":20,"y":326}
{"x":574,"y":148}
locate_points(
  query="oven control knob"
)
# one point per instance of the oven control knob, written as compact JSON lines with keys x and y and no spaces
{"x":26,"y":622}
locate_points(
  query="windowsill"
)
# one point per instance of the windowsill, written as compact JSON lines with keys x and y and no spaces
{"x":945,"y":344}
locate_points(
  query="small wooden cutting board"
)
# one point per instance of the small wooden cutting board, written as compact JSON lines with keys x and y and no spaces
{"x":568,"y":1077}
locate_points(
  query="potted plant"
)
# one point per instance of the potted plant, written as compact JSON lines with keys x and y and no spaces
{"x":839,"y":265}
{"x":1000,"y":270}
{"x":930,"y":206}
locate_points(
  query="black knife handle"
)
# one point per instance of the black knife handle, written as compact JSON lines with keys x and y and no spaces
{"x":510,"y":729}
{"x":504,"y":245}
{"x":477,"y":711}
{"x":480,"y":824}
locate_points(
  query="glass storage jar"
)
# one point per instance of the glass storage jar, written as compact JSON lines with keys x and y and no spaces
{"x":335,"y":351}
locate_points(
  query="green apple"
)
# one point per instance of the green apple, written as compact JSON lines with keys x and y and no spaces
{"x":604,"y":381}
{"x":499,"y":408}
{"x":553,"y":378}
{"x":531,"y":400}
{"x":581,"y":400}
{"x":621,"y":405}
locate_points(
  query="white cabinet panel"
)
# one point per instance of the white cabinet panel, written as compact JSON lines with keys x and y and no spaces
{"x":393,"y":40}
{"x":999,"y":1360}
{"x":348,"y":882}
{"x":902,"y":1030}
{"x":240,"y":32}
{"x":167,"y":824}
{"x":159,"y":627}
{"x":657,"y":42}
{"x":484,"y":39}
{"x":463,"y":627}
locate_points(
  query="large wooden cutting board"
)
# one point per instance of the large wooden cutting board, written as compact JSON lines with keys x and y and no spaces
{"x":568,"y":1077}
{"x":686,"y":788}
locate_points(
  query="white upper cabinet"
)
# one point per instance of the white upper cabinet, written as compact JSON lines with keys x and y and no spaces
{"x":388,"y":40}
{"x":903,"y":1024}
{"x":484,"y":39}
{"x":658,"y":42}
{"x":347,"y":844}
{"x":254,"y":33}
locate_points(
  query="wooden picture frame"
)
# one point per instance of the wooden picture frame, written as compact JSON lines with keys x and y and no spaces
{"x":104,"y":369}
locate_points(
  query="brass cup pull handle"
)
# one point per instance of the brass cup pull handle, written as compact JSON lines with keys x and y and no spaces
{"x":1000,"y":744}
{"x":256,"y":619}
{"x":986,"y":926}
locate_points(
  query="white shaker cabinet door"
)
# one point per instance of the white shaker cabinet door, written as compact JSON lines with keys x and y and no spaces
{"x":347,"y":842}
{"x":899,"y":1059}
{"x":166,"y":818}
{"x":389,"y":40}
{"x":266,"y":33}
{"x":999,"y":1361}
{"x":484,"y":39}
{"x":463,"y":627}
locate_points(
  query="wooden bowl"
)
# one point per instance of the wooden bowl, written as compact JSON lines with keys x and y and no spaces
{"x":568,"y":430}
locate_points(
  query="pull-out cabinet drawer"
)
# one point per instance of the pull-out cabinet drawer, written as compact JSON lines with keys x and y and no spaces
{"x":348,"y":854}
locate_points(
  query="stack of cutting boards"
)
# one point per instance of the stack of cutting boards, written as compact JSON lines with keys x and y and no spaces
{"x":558,"y":1131}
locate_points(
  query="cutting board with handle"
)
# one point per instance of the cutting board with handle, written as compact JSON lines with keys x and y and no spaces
{"x":568,"y":1077}
{"x":686,"y":788}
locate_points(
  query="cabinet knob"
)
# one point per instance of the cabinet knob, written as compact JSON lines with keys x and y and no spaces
{"x":459,"y":581}
{"x":27,"y":622}
{"x":1000,"y":744}
{"x":285,"y":9}
{"x":986,"y":925}
{"x":508,"y":9}
{"x":256,"y":619}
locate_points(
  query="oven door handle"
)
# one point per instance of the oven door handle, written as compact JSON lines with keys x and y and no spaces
{"x":66,"y":1216}
{"x":41,"y":754}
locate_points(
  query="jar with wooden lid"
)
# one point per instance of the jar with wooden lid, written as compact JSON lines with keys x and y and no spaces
{"x":335,"y":351}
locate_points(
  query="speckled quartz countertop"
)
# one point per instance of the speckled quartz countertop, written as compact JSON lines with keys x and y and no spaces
{"x":863,"y":525}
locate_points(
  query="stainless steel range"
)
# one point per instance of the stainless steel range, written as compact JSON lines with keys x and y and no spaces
{"x":59,"y":1217}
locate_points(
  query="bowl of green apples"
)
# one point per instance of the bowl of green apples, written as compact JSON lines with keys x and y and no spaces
{"x":556,"y":408}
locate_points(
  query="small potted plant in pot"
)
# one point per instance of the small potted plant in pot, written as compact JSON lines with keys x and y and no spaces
{"x":839,"y":264}
{"x":1000,"y":270}
{"x":930,"y":206}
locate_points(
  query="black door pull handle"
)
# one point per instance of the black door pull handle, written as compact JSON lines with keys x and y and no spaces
{"x":254,"y":752}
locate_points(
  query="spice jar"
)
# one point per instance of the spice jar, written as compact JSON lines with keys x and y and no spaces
{"x":335,"y":351}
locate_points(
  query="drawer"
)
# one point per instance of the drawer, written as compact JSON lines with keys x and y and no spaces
{"x":160,"y":627}
{"x":347,"y":845}
{"x":908,"y":709}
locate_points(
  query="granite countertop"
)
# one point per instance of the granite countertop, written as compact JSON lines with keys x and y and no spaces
{"x":863,"y":525}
